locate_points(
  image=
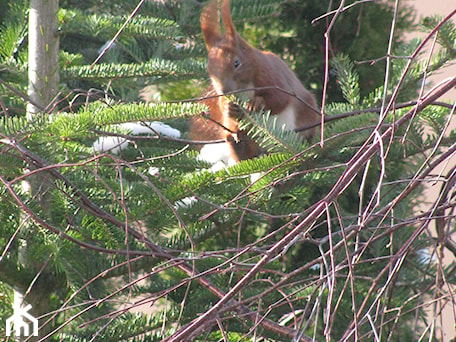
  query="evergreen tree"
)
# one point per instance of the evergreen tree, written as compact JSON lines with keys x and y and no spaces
{"x":307,"y":241}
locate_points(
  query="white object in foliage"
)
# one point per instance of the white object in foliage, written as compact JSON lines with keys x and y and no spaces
{"x":185,"y":203}
{"x":116,"y":144}
{"x":110,"y":144}
{"x":217,"y":154}
{"x":153,"y":127}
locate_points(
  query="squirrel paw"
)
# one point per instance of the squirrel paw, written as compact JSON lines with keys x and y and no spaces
{"x":233,"y":137}
{"x":233,"y":110}
{"x":257,"y":104}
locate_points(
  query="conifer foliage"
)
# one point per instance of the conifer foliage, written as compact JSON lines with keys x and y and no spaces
{"x":142,"y":237}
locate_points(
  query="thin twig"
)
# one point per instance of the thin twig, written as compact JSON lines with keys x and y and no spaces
{"x":108,"y":46}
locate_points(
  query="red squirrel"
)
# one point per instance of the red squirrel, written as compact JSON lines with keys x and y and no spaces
{"x":234,"y":65}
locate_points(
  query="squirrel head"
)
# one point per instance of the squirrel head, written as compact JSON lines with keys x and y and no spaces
{"x":231,"y":61}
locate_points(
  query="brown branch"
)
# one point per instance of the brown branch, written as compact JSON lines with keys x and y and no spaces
{"x":8,"y":186}
{"x":156,"y":251}
{"x":130,"y":17}
{"x":369,"y":110}
{"x":134,"y":137}
{"x":243,"y":90}
{"x":353,"y":166}
{"x":21,"y":95}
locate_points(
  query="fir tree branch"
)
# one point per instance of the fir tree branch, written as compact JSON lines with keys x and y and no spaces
{"x":351,"y":231}
{"x":156,"y":251}
{"x":240,"y":91}
{"x":161,"y":70}
{"x":315,"y":211}
{"x":157,"y":137}
{"x":117,"y":34}
{"x":370,"y":110}
{"x":21,"y":95}
{"x":327,"y":118}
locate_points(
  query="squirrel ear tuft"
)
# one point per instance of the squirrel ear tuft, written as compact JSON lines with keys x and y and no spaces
{"x":210,"y":24}
{"x":227,"y":21}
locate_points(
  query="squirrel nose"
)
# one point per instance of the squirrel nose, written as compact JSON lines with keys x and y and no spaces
{"x":223,"y":86}
{"x":228,"y":86}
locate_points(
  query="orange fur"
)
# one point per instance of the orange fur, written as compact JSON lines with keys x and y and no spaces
{"x":235,"y":65}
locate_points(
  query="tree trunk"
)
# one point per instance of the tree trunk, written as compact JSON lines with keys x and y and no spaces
{"x":43,"y":55}
{"x":43,"y":74}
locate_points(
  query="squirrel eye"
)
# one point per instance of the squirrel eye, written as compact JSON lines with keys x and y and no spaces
{"x":237,"y":63}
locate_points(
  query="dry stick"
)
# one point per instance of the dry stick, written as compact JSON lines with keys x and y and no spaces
{"x":399,"y":198}
{"x":135,"y":11}
{"x":350,"y":277}
{"x":388,"y":64}
{"x":157,"y":251}
{"x":392,"y":268}
{"x":393,"y":97}
{"x":337,"y":11}
{"x":20,"y":94}
{"x":198,"y":99}
{"x":368,"y":110}
{"x":442,"y":236}
{"x":315,"y":110}
{"x":243,"y":90}
{"x":91,"y":246}
{"x":326,"y":77}
{"x":319,"y":260}
{"x":8,"y":186}
{"x":353,"y":166}
{"x":325,"y":118}
{"x":400,"y":255}
{"x":350,"y":231}
{"x":102,"y":274}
